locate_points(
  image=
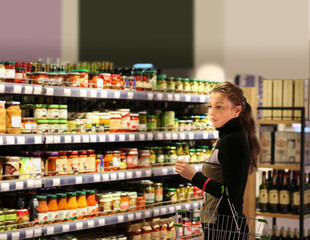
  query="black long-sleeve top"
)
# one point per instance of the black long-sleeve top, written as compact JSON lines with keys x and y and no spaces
{"x":234,"y":158}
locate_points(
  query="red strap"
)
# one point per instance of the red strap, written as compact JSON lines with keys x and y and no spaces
{"x":204,"y":185}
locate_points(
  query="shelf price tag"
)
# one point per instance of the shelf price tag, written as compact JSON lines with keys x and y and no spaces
{"x":102,"y":138}
{"x":101,"y":222}
{"x":28,"y":89}
{"x":19,"y":185}
{"x":138,"y":215}
{"x":159,"y":96}
{"x":150,"y":96}
{"x":85,"y":138}
{"x":67,"y":139}
{"x":49,"y":230}
{"x":79,"y":225}
{"x":3,"y":236}
{"x":1,"y":140}
{"x":17,"y":89}
{"x":168,"y":136}
{"x":130,"y":95}
{"x":177,"y":97}
{"x":131,"y":137}
{"x":187,"y":98}
{"x":49,"y":139}
{"x":37,"y":139}
{"x":49,"y":91}
{"x":182,"y":135}
{"x":120,"y":218}
{"x":191,"y":136}
{"x":171,"y":209}
{"x":147,"y":214}
{"x":65,"y":227}
{"x":148,"y":173}
{"x":1,"y":88}
{"x":15,"y":235}
{"x":121,"y":175}
{"x":196,"y":205}
{"x":128,"y":175}
{"x":37,"y":232}
{"x":56,"y":182}
{"x":96,"y":178}
{"x":113,"y":177}
{"x":202,"y":99}
{"x":77,"y":139}
{"x":90,"y":223}
{"x":164,"y":171}
{"x":205,"y":135}
{"x":178,"y":207}
{"x":67,"y":92}
{"x":83,"y":92}
{"x":130,"y":217}
{"x":187,"y":206}
{"x":93,"y":138}
{"x":20,"y":140}
{"x":163,"y":211}
{"x":37,"y":90}
{"x":174,"y":136}
{"x":159,"y":136}
{"x":169,"y":97}
{"x":38,"y":183}
{"x":156,"y":212}
{"x":30,"y":183}
{"x":78,"y":180}
{"x":138,"y":174}
{"x":56,"y":139}
{"x":10,"y":140}
{"x":5,"y":187}
{"x":29,"y":233}
{"x":141,"y":137}
{"x":106,"y":177}
{"x":111,"y":138}
{"x":121,"y":137}
{"x":93,"y":93}
{"x":150,"y":136}
{"x":216,"y":134}
{"x":103,"y":94}
{"x":117,"y":94}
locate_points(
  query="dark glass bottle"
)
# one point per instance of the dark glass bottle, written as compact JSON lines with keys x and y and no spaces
{"x":296,"y":194}
{"x":263,"y":194}
{"x":284,"y":195}
{"x":274,"y":194}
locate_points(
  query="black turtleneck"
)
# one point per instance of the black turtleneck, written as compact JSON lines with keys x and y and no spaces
{"x":234,"y":158}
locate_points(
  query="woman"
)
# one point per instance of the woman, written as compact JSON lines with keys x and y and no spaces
{"x":234,"y":156}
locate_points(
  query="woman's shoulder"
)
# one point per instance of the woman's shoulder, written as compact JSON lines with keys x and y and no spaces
{"x":233,"y":138}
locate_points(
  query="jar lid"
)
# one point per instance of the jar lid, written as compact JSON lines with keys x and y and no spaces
{"x":178,"y":79}
{"x":124,"y":194}
{"x":7,"y":62}
{"x":72,"y":152}
{"x":22,"y":211}
{"x":172,"y":189}
{"x":53,"y":106}
{"x":176,"y":119}
{"x":150,"y":71}
{"x":84,"y":152}
{"x":151,"y":116}
{"x":80,"y":70}
{"x":137,"y":72}
{"x":185,"y":79}
{"x":53,"y":121}
{"x":42,"y":121}
{"x":142,"y":112}
{"x":63,"y":121}
{"x":73,"y":73}
{"x":90,"y":151}
{"x":62,"y":152}
{"x":199,"y":150}
{"x":63,"y":106}
{"x":40,"y":105}
{"x":105,"y":73}
{"x":132,"y":194}
{"x":13,"y":103}
{"x":28,"y":119}
{"x":41,"y":198}
{"x":134,"y":115}
{"x":162,"y":76}
{"x":158,"y":184}
{"x":20,"y":68}
{"x":192,"y":150}
{"x":173,"y":147}
{"x":9,"y":158}
{"x":202,"y":117}
{"x":71,"y":194}
{"x":9,"y":211}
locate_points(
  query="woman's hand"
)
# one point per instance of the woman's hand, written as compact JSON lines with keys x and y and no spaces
{"x":184,"y":169}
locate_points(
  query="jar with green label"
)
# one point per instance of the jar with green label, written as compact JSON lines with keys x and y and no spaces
{"x":180,"y":153}
{"x":160,"y":157}
{"x":192,"y":154}
{"x":171,"y":155}
{"x":71,"y":126}
{"x":52,"y":112}
{"x":53,"y":126}
{"x":152,"y":156}
{"x":188,"y":125}
{"x":199,"y":154}
{"x":63,"y":112}
{"x":142,"y":121}
{"x":190,"y":191}
{"x":10,"y":214}
{"x":186,"y":85}
{"x":161,"y":83}
{"x":168,"y":120}
{"x":181,"y":193}
{"x":149,"y":192}
{"x":170,"y":84}
{"x":176,"y":124}
{"x":178,"y":85}
{"x":185,"y":146}
{"x":151,"y":123}
{"x":63,"y":127}
{"x":170,"y":195}
{"x":158,"y":114}
{"x":201,"y":86}
{"x":194,"y":85}
{"x":40,"y":111}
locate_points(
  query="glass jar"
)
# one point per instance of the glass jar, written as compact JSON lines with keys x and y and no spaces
{"x":193,"y":156}
{"x":82,"y":161}
{"x":39,"y":78}
{"x":168,"y":120}
{"x":115,"y":122}
{"x":152,"y":156}
{"x":171,"y":155}
{"x":62,"y":124}
{"x":132,"y":158}
{"x":43,"y":126}
{"x":134,"y":122}
{"x":24,"y":168}
{"x":194,"y":85}
{"x":160,"y":157}
{"x":29,"y":126}
{"x":9,"y":71}
{"x":42,"y":209}
{"x":53,"y":79}
{"x":125,"y":116}
{"x":91,"y":161}
{"x":199,"y":154}
{"x":179,"y":150}
{"x":52,"y":112}
{"x":62,"y":163}
{"x":108,"y":161}
{"x":142,"y":121}
{"x":106,"y":78}
{"x":188,"y":125}
{"x":151,"y":123}
{"x":22,"y":218}
{"x":161,"y":83}
{"x":140,"y":202}
{"x":13,"y":118}
{"x":106,"y":204}
{"x":176,"y":125}
{"x":123,"y":161}
{"x":124,"y":202}
{"x":52,"y":208}
{"x":137,"y":75}
{"x":73,"y":79}
{"x":2,"y":71}
{"x":132,"y":201}
{"x":72,"y":206}
{"x":151,"y":80}
{"x":178,"y":85}
{"x":20,"y":75}
{"x":53,"y":126}
{"x":83,"y":77}
{"x":10,"y":214}
{"x":116,"y":155}
{"x":63,"y":112}
{"x":149,"y":192}
{"x":201,"y":86}
{"x":170,"y":84}
{"x":116,"y":81}
{"x":2,"y":117}
{"x":91,"y":203}
{"x":11,"y":167}
{"x":203,"y":123}
{"x":116,"y":197}
{"x":144,"y":158}
{"x":73,"y":162}
{"x":182,"y":125}
{"x":52,"y":160}
{"x":81,"y":204}
{"x":40,"y":111}
{"x":186,"y":85}
{"x":181,"y":193}
{"x":171,"y":195}
{"x":62,"y":206}
{"x":158,"y":192}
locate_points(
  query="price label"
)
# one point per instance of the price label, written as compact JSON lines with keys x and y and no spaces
{"x":169,"y":97}
{"x":28,"y":89}
{"x":150,"y":136}
{"x":159,"y":136}
{"x":101,"y":138}
{"x":10,"y":140}
{"x":191,"y":135}
{"x":130,"y":95}
{"x":121,"y":176}
{"x":174,"y":136}
{"x":196,"y":205}
{"x":178,"y":207}
{"x":57,"y":139}
{"x":67,"y":139}
{"x":19,"y":185}
{"x":176,"y":97}
{"x":93,"y":93}
{"x":150,"y":96}
{"x":37,"y":90}
{"x":113,"y":176}
{"x":85,"y":138}
{"x":147,"y":214}
{"x":65,"y":227}
{"x":101,"y":222}
{"x":168,"y":136}
{"x":1,"y":88}
{"x":187,"y":206}
{"x":37,"y":139}
{"x":20,"y":140}
{"x":159,"y":96}
{"x":129,"y":175}
{"x":29,"y":233}
{"x":138,"y":215}
{"x":182,"y":135}
{"x":83,"y":92}
{"x":121,"y":137}
{"x":187,"y":98}
{"x":67,"y":92}
{"x":205,"y":135}
{"x":5,"y":187}
{"x":96,"y":178}
{"x":164,"y":171}
{"x":38,"y":183}
{"x":103,"y":94}
{"x":50,"y":230}
{"x":138,"y":174}
{"x":141,"y":137}
{"x":130,"y":217}
{"x":111,"y":138}
{"x":15,"y":235}
{"x":93,"y":138}
{"x":49,"y":91}
{"x":171,"y":209}
{"x":1,"y":140}
{"x":173,"y":169}
{"x":131,"y":137}
{"x":90,"y":223}
{"x":156,"y":212}
{"x":77,"y":139}
{"x":120,"y":218}
{"x":148,"y":173}
{"x":202,"y":99}
{"x":30,"y":183}
{"x":215,"y":134}
{"x":78,"y":180}
{"x":49,"y":139}
{"x":3,"y":236}
{"x":117,"y":94}
{"x":37,"y":232}
{"x":17,"y":89}
{"x":79,"y":225}
{"x":163,"y":210}
{"x":106,"y":177}
{"x":56,"y":182}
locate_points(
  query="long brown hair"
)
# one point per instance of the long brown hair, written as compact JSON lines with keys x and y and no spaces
{"x":235,"y":95}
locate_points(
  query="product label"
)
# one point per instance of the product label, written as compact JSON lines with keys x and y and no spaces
{"x":43,"y":217}
{"x":152,"y":159}
{"x":116,"y":205}
{"x":151,"y":125}
{"x":91,"y":210}
{"x":73,"y":214}
{"x":16,"y":122}
{"x":160,"y":158}
{"x":52,"y":216}
{"x":144,"y":161}
{"x":187,"y":158}
{"x":124,"y":205}
{"x":40,"y":113}
{"x":2,"y":73}
{"x":273,"y":197}
{"x":163,"y":234}
{"x":133,"y":202}
{"x":159,"y":195}
{"x":142,"y":127}
{"x":82,"y":212}
{"x":62,"y":215}
{"x":149,"y":197}
{"x":171,"y":158}
{"x":134,"y":124}
{"x":155,"y":235}
{"x":263,"y":196}
{"x":284,"y":197}
{"x":10,"y":73}
{"x":82,"y":164}
{"x":296,"y":199}
{"x":107,"y":207}
{"x":53,"y":113}
{"x":99,"y":83}
{"x":146,"y":236}
{"x":132,"y":160}
{"x":63,"y":114}
{"x":19,"y":76}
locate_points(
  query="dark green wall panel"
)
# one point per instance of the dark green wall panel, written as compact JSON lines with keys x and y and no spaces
{"x":131,"y":31}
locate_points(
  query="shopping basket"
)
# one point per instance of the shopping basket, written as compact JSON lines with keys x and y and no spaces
{"x":226,"y":227}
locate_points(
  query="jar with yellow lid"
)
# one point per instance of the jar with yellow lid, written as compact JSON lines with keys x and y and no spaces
{"x":13,"y":118}
{"x":180,"y":153}
{"x":199,"y":154}
{"x":149,"y":192}
{"x":171,"y":155}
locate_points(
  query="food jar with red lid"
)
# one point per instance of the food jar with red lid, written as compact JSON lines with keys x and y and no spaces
{"x":20,"y":75}
{"x":9,"y":71}
{"x":73,"y":162}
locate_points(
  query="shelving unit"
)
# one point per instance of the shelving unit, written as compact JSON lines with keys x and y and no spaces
{"x":281,"y":215}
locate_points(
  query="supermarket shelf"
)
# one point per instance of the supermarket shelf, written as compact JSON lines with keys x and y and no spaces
{"x":193,"y":135}
{"x":170,"y":170}
{"x":170,"y":209}
{"x":96,"y":177}
{"x":14,"y":185}
{"x":179,"y":97}
{"x":275,"y":122}
{"x":17,"y":88}
{"x":21,"y":139}
{"x":279,"y":215}
{"x":22,"y":233}
{"x":285,"y":166}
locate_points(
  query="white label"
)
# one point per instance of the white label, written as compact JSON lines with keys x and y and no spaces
{"x":159,"y":96}
{"x":187,"y":206}
{"x":37,"y":232}
{"x":111,"y":138}
{"x":215,"y":134}
{"x":56,"y":182}
{"x":37,"y":139}
{"x":159,"y":136}
{"x":120,"y":218}
{"x":191,"y":135}
{"x":1,"y":88}
{"x":29,"y":233}
{"x":149,"y":136}
{"x":15,"y":235}
{"x":19,"y":185}
{"x":17,"y":89}
{"x":16,"y":121}
{"x":85,"y":138}
{"x":205,"y":135}
{"x":128,"y":175}
{"x":187,"y":98}
{"x":138,"y":215}
{"x":79,"y":225}
{"x":156,"y":212}
{"x":163,"y":211}
{"x":169,"y":97}
{"x":196,"y":205}
{"x":130,"y":217}
{"x":37,"y":90}
{"x":202,"y":99}
{"x":113,"y":176}
{"x":65,"y":227}
{"x":101,"y":222}
{"x":121,"y":176}
{"x":177,"y":97}
{"x":178,"y":207}
{"x":104,"y":94}
{"x":83,"y":93}
{"x":49,"y":91}
{"x":96,"y":178}
{"x":30,"y":183}
{"x":56,"y":139}
{"x":38,"y":183}
{"x":121,"y":137}
{"x":10,"y":140}
{"x":164,"y":171}
{"x":106,"y":177}
{"x":50,"y":230}
{"x":131,"y":137}
{"x":130,"y":95}
{"x":67,"y":139}
{"x":117,"y":94}
{"x":174,"y":136}
{"x":49,"y":139}
{"x":77,"y":139}
{"x":20,"y":140}
{"x":28,"y":89}
{"x":138,"y":174}
{"x":93,"y":93}
{"x":78,"y":180}
{"x":1,"y":140}
{"x":171,"y":209}
{"x":141,"y":137}
{"x":182,"y":135}
{"x":101,"y":138}
{"x":5,"y":187}
{"x":148,"y":173}
{"x":147,"y":214}
{"x":67,"y":92}
{"x":90,"y":224}
{"x":93,"y":138}
{"x":150,"y":96}
{"x":168,"y":136}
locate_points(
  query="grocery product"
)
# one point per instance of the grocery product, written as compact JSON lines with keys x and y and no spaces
{"x":13,"y":118}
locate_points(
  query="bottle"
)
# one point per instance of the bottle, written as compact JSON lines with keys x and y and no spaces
{"x":284,"y":197}
{"x":307,"y":193}
{"x":269,"y":180}
{"x":290,"y":234}
{"x":273,"y":194}
{"x":283,"y":233}
{"x":274,"y":230}
{"x":296,"y":194}
{"x":263,"y":194}
{"x":296,"y":234}
{"x":305,"y":235}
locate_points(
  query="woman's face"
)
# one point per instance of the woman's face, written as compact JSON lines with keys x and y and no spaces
{"x":221,"y":109}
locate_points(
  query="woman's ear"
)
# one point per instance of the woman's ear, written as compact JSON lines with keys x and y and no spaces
{"x":238,"y":110}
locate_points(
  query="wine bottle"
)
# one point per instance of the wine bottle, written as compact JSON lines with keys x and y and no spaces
{"x":283,"y":233}
{"x":290,"y":234}
{"x":307,"y":193}
{"x":269,"y":180}
{"x":273,"y":194}
{"x":284,"y":195}
{"x":263,"y":194}
{"x":274,"y":230}
{"x":296,"y":194}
